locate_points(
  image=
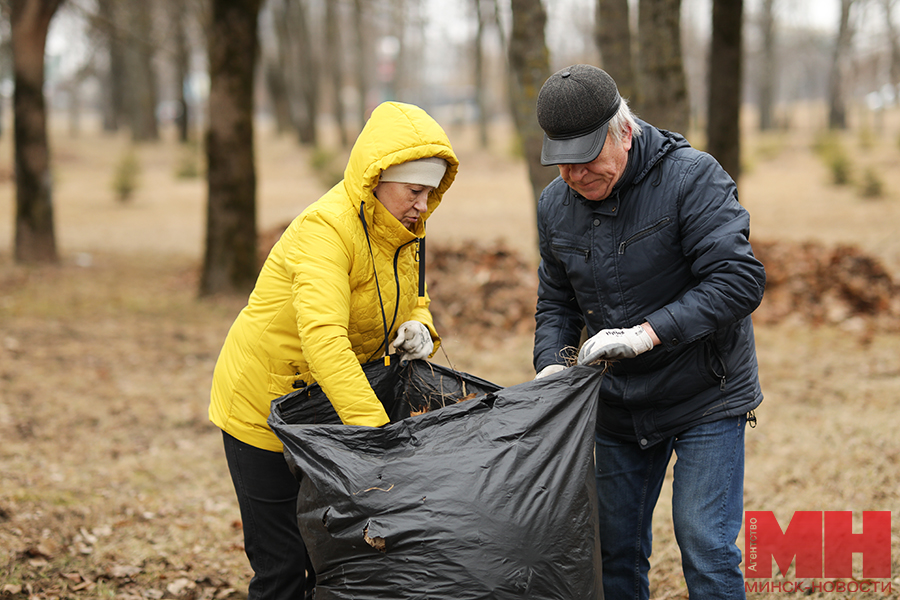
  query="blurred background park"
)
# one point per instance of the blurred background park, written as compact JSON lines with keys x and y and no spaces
{"x":152,"y":150}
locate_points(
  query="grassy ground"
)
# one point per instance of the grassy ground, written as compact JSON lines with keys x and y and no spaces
{"x":113,"y":483}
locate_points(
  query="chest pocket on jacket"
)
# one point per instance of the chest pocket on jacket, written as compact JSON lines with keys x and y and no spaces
{"x":573,"y":254}
{"x":644,"y":233}
{"x":563,"y":249}
{"x":652,"y":260}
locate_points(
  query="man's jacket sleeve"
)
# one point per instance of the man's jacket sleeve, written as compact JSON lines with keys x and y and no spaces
{"x":715,"y":232}
{"x":558,"y":320}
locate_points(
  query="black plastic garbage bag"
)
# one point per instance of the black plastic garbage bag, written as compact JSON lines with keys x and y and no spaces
{"x":490,"y":498}
{"x":402,"y":388}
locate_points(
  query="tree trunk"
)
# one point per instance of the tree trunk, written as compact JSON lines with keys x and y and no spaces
{"x":334,"y":66}
{"x":769,"y":72}
{"x":5,"y":48}
{"x":140,"y":75}
{"x":73,"y":89}
{"x":837,"y":103}
{"x":511,"y":84}
{"x":664,"y":98}
{"x":480,"y":98}
{"x":182,"y":66}
{"x":113,"y":106}
{"x":894,"y":43}
{"x":529,"y":61}
{"x":360,"y":32}
{"x":35,"y":240}
{"x":723,"y":123}
{"x":404,"y":80}
{"x":277,"y":72}
{"x":307,"y":74}
{"x":278,"y":94}
{"x":231,"y":264}
{"x":298,"y":68}
{"x":612,"y":34}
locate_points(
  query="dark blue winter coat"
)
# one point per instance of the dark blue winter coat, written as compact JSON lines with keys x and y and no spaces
{"x":670,"y":246}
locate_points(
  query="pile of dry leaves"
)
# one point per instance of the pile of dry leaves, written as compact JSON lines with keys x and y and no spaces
{"x":813,"y":283}
{"x":478,"y":288}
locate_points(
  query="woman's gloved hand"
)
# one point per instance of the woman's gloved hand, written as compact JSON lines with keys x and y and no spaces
{"x":413,"y":341}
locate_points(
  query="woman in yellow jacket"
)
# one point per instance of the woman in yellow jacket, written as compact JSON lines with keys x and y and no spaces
{"x":340,"y":288}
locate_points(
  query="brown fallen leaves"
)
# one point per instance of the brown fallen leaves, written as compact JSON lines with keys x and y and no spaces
{"x":817,"y":284}
{"x":476,"y":290}
{"x":424,"y":409}
{"x":376,"y":542}
{"x":481,"y":291}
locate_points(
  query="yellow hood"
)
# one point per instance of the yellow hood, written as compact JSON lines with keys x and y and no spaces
{"x":396,"y":133}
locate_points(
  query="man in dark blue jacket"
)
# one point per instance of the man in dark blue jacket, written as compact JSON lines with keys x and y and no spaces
{"x":644,"y":244}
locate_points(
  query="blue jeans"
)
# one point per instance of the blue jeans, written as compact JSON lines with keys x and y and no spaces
{"x":707,"y":509}
{"x":267,"y":495}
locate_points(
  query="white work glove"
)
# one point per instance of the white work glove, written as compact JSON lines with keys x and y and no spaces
{"x":613,"y":344}
{"x":413,"y":341}
{"x":549,"y":370}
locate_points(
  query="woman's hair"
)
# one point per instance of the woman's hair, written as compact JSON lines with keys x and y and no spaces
{"x":623,"y":118}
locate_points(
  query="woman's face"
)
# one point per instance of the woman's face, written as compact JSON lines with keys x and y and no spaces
{"x":406,"y":201}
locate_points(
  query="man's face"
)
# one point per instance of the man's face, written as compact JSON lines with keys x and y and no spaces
{"x":595,"y":180}
{"x":405,"y":201}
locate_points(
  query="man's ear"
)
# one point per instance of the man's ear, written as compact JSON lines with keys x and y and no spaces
{"x":626,"y":138}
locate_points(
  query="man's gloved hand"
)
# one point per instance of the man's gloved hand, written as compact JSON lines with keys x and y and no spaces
{"x":413,"y":341}
{"x":612,"y":344}
{"x":549,"y":370}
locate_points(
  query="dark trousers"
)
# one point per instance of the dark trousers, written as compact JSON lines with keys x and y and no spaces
{"x":267,"y":495}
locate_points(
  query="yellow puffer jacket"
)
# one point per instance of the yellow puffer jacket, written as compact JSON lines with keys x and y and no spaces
{"x":315,"y":314}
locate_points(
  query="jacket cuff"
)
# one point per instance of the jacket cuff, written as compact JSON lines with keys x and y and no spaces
{"x":666,"y":328}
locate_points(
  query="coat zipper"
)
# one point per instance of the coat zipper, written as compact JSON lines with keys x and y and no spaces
{"x":585,"y":252}
{"x":644,"y":233}
{"x":714,"y":350}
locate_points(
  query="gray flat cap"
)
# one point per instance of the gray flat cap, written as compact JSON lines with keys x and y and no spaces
{"x":574,"y":107}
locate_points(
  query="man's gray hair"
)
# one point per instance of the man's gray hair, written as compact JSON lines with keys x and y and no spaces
{"x":618,"y":124}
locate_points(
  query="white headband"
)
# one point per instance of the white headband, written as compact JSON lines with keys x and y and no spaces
{"x":425,"y":171}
